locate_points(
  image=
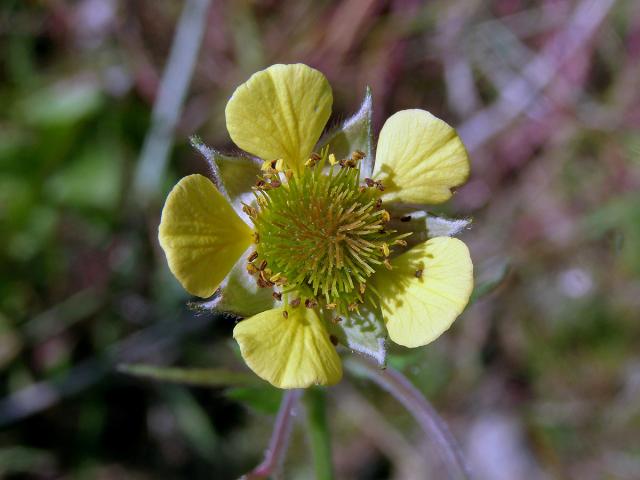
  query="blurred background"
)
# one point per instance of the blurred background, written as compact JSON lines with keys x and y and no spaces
{"x":540,"y":378}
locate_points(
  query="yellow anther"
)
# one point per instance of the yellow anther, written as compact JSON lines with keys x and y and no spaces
{"x":251,"y":268}
{"x":280,"y":165}
{"x":385,"y":249}
{"x":275,"y":278}
{"x":385,"y":216}
{"x":332,"y":159}
{"x":266,"y":166}
{"x":387,"y":264}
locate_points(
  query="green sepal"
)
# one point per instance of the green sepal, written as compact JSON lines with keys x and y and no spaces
{"x":363,"y":332}
{"x":423,"y":225}
{"x":353,"y":134}
{"x":234,"y":175}
{"x":238,"y":295}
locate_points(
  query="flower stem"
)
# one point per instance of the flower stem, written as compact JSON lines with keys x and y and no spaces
{"x":316,"y":403}
{"x":275,"y":452}
{"x":412,"y":399}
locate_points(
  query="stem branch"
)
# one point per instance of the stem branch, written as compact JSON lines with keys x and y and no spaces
{"x":412,"y":399}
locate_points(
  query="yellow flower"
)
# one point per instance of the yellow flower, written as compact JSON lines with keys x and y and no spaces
{"x":326,"y":238}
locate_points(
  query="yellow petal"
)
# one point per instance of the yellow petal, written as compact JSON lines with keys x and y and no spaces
{"x":427,"y":289}
{"x":292,"y":352}
{"x":419,"y":158}
{"x":201,"y":235}
{"x":280,"y":112}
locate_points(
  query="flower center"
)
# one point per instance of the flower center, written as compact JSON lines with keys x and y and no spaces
{"x":321,"y":234}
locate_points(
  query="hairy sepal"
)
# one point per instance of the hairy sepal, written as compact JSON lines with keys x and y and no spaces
{"x":363,"y":332}
{"x":353,"y":134}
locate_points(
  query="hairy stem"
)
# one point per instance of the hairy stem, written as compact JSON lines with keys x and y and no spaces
{"x":275,"y":452}
{"x":412,"y":399}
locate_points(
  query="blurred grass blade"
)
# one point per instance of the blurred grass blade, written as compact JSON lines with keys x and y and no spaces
{"x":319,"y":435}
{"x":204,"y":377}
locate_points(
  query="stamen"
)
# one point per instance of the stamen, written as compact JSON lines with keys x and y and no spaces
{"x":322,"y":232}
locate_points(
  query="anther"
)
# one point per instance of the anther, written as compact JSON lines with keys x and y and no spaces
{"x":277,"y":296}
{"x":362,"y":287}
{"x":295,"y":302}
{"x":418,"y":273}
{"x":252,"y":257}
{"x":275,"y":278}
{"x":279,"y":166}
{"x":369,"y":181}
{"x":352,"y":307}
{"x":400,"y":242}
{"x":251,"y":269}
{"x":275,"y":183}
{"x":387,"y":264}
{"x":385,"y":216}
{"x":332,"y":159}
{"x":378,"y":204}
{"x":266,"y":165}
{"x":249,"y":210}
{"x":331,"y":306}
{"x":334,"y":340}
{"x":310,"y":303}
{"x":358,"y":155}
{"x":285,"y":314}
{"x":256,"y":237}
{"x":336,"y":320}
{"x":385,"y":249}
{"x":406,"y":218}
{"x":263,"y":265}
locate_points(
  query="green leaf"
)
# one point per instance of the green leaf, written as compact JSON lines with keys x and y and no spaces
{"x":363,"y":332}
{"x":92,"y":180}
{"x":264,"y":399}
{"x":63,"y":103}
{"x":491,"y":275}
{"x":353,"y":134}
{"x":203,"y":377}
{"x":193,"y":421}
{"x":16,"y":460}
{"x":319,"y":435}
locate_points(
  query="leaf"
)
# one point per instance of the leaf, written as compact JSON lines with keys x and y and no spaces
{"x":363,"y":332}
{"x":193,"y":421}
{"x":63,"y":103}
{"x":489,"y":278}
{"x":202,"y":377}
{"x":353,"y":134}
{"x":263,"y":399}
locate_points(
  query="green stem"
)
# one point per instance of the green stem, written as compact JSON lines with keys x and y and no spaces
{"x":316,"y":403}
